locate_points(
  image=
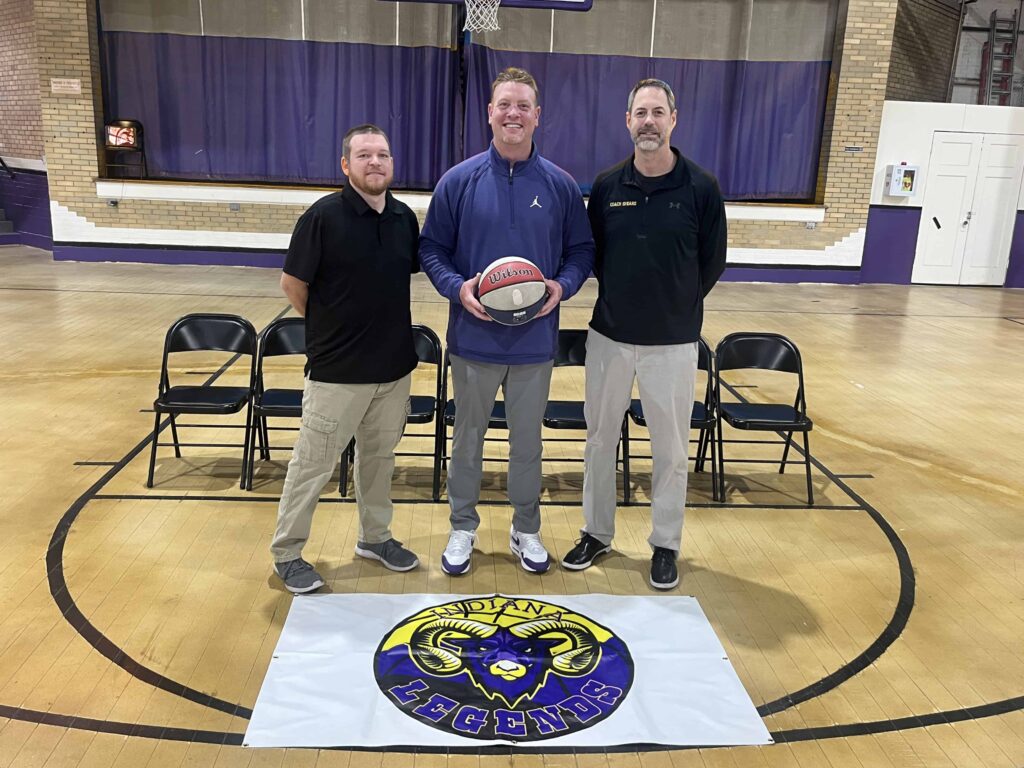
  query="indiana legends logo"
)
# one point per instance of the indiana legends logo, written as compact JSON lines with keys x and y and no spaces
{"x":505,"y":668}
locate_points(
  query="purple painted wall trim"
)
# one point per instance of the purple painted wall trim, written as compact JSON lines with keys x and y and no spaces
{"x":790,"y":275}
{"x":168,"y":255}
{"x":889,"y":245}
{"x":41,"y":242}
{"x":26,"y":203}
{"x":1015,"y":270}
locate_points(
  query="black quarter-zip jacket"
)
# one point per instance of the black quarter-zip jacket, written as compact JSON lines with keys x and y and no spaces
{"x":658,"y":253}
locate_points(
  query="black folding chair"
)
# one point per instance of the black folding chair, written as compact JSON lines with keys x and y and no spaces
{"x":423,"y":409}
{"x":572,"y":351}
{"x":703,"y":417}
{"x":568,"y":414}
{"x":204,"y":333}
{"x":427,"y":409}
{"x":558,"y":414}
{"x":496,"y":421}
{"x":284,"y":336}
{"x":770,"y":352}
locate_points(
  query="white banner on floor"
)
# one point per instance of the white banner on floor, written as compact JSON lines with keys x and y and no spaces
{"x":368,"y":670}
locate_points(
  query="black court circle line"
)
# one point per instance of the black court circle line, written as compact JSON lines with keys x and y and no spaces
{"x":901,"y":613}
{"x":61,"y":594}
{"x":229,"y":738}
{"x":56,"y":579}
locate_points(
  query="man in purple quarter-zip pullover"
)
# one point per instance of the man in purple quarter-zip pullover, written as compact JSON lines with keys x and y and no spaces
{"x":507,"y":201}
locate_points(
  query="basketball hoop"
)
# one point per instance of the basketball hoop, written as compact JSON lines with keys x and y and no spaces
{"x":482,"y":15}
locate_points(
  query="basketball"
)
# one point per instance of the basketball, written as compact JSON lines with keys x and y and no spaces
{"x":512,"y":290}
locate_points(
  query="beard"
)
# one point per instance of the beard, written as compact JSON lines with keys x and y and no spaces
{"x":648,"y":142}
{"x":371,"y":185}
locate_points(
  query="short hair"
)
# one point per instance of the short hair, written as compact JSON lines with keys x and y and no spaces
{"x":346,"y":143}
{"x":516,"y":75}
{"x":652,"y":82}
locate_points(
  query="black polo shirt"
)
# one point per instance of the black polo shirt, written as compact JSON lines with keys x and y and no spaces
{"x":661,"y":246}
{"x":357,"y":263}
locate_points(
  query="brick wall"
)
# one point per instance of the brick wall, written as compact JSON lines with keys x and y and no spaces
{"x":67,"y":48}
{"x":20,"y":133}
{"x":856,"y":118}
{"x":922,"y":50}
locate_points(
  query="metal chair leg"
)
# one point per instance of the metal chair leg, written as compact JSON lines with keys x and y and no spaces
{"x":250,"y":427}
{"x":444,"y":445}
{"x":174,"y":435}
{"x":807,"y":463}
{"x":714,"y":467}
{"x":625,"y":459}
{"x":265,"y":439}
{"x":152,"y":453}
{"x":702,"y":447}
{"x":249,"y":468}
{"x":346,"y":455}
{"x":721,"y":465}
{"x":785,"y":452}
{"x":437,"y":459}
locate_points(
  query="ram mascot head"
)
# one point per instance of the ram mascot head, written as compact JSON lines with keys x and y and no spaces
{"x":505,"y":662}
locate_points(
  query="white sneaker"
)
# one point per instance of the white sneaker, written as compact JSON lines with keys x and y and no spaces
{"x":456,"y":557}
{"x":530,"y":551}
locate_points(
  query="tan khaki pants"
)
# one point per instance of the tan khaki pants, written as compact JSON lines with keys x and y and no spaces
{"x":331,"y":414}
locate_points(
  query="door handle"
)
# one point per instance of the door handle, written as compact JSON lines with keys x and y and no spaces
{"x":968,"y":219}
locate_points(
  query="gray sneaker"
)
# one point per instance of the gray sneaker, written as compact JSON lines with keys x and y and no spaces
{"x":298,"y":576}
{"x":391,"y":553}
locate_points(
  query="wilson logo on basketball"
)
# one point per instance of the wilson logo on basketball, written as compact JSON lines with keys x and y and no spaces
{"x":496,"y":277}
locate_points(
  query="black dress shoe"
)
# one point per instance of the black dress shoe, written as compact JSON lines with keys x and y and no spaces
{"x":583,"y":554}
{"x":664,"y":574}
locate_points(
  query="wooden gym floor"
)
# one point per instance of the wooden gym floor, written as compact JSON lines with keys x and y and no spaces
{"x":881,"y":627}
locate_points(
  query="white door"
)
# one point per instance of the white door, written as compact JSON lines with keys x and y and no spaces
{"x":945,"y":214}
{"x":969,"y":209}
{"x":994,"y":210}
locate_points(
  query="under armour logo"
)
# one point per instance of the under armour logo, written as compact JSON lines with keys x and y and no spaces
{"x":536,"y":202}
{"x":677,"y":206}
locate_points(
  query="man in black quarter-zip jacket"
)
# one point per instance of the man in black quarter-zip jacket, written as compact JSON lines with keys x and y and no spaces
{"x":659,"y":227}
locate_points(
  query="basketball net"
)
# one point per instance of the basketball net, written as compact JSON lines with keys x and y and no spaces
{"x":482,"y":15}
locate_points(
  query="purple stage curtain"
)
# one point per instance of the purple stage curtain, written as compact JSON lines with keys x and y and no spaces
{"x":755,"y":125}
{"x":223,"y":108}
{"x":257,"y":109}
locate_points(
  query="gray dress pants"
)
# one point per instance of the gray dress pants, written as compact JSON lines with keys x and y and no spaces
{"x":666,"y":375}
{"x":525,"y":389}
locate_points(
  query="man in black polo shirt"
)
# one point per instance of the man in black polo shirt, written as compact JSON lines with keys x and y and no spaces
{"x":660,"y":230}
{"x":347,"y":272}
